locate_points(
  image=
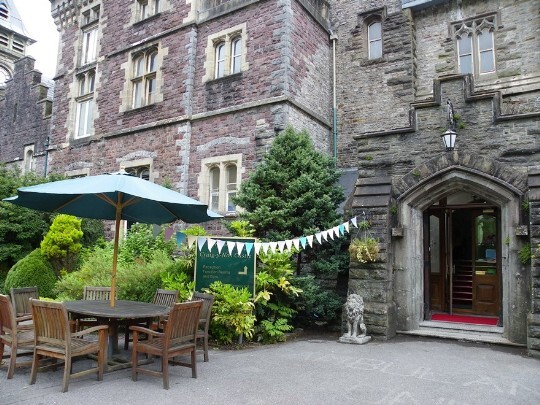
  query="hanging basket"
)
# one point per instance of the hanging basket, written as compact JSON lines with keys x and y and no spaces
{"x":364,"y":250}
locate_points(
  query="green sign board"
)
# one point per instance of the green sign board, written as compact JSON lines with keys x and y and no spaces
{"x":228,"y":267}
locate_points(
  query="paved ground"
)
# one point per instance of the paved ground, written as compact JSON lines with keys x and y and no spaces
{"x":312,"y":370}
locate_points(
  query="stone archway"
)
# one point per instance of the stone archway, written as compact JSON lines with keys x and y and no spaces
{"x":427,"y":184}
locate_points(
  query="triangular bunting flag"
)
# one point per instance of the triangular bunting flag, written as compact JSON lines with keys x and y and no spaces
{"x":296,"y":243}
{"x":265,"y":246}
{"x":257,"y":247}
{"x":303,"y":241}
{"x":191,"y":240}
{"x":281,"y":245}
{"x":353,"y":221}
{"x":318,"y":236}
{"x":325,"y":235}
{"x":330,"y":233}
{"x":273,"y":246}
{"x":249,"y":247}
{"x":310,"y":240}
{"x":200,"y":242}
{"x":180,"y":238}
{"x":230,"y":247}
{"x":211,"y":243}
{"x":346,"y":224}
{"x":288,"y":243}
{"x":239,"y":247}
{"x":342,"y":229}
{"x":220,"y":244}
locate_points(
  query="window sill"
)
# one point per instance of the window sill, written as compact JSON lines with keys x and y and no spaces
{"x":235,"y":76}
{"x":85,"y":68}
{"x":140,"y":109}
{"x":83,"y":140}
{"x":147,"y":19}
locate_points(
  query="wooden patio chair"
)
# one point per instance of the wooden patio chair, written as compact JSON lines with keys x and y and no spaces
{"x":167,"y":298}
{"x":53,"y":338}
{"x":95,"y":294}
{"x":20,"y":297}
{"x":178,"y":338}
{"x":16,"y":336}
{"x":204,"y":322}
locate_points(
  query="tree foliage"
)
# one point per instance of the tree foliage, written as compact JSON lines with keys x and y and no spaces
{"x":293,"y":192}
{"x":21,"y":229}
{"x":61,"y":244}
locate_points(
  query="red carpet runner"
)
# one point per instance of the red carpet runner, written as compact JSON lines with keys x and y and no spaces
{"x":477,"y":320}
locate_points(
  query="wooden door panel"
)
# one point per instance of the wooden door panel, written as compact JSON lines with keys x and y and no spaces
{"x":437,"y":297}
{"x":486,"y":295}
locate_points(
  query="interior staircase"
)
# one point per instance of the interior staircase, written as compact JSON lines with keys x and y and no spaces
{"x":462,"y":286}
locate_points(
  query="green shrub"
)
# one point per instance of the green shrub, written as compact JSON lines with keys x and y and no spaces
{"x":140,"y":244}
{"x":182,"y":282}
{"x":315,"y":304}
{"x":32,"y":270}
{"x":233,"y":313}
{"x":61,"y":244}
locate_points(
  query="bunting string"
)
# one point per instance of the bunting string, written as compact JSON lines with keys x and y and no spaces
{"x":302,"y":242}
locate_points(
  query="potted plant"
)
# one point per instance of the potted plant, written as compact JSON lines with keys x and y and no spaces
{"x":366,"y":248}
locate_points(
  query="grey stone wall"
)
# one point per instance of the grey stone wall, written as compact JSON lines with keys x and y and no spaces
{"x":25,"y":114}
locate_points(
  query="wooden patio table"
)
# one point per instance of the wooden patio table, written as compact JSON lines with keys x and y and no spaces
{"x":113,"y":316}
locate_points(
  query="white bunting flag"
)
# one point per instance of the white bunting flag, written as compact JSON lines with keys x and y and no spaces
{"x":288,"y":243}
{"x":346,"y":225}
{"x":281,"y":245}
{"x":265,"y":246}
{"x":211,"y":243}
{"x":296,"y":243}
{"x":318,"y":236}
{"x":220,"y":244}
{"x":257,"y":247}
{"x":273,"y":246}
{"x":230,"y":247}
{"x":200,"y":242}
{"x":353,"y":221}
{"x":239,"y":247}
{"x":191,"y":240}
{"x":310,"y":240}
{"x":325,"y":235}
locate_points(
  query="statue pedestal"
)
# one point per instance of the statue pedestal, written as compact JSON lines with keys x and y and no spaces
{"x":359,"y":340}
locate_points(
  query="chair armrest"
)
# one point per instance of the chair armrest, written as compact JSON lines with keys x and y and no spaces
{"x":149,"y":332}
{"x":23,"y":318}
{"x":89,"y":330}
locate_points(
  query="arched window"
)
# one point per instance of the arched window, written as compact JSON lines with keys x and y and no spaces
{"x":465,"y":56}
{"x":220,"y":60}
{"x":85,"y":104}
{"x":232,"y":188}
{"x":375,"y":40}
{"x":214,"y":189}
{"x":475,"y":45}
{"x":144,"y":78}
{"x":486,"y":51}
{"x":236,"y":55}
{"x":29,"y":161}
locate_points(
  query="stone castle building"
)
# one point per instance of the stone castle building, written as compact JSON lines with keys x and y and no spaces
{"x":25,"y":97}
{"x":193,"y":92}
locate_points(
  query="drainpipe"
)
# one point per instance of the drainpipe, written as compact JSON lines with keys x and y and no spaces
{"x":46,"y":145}
{"x":333,"y":38}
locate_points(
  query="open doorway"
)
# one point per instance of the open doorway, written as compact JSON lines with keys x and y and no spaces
{"x":462,"y":263}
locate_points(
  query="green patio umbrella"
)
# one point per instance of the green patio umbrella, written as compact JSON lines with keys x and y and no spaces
{"x":114,"y":196}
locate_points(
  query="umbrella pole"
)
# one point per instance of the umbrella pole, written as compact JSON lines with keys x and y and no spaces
{"x":115,"y":251}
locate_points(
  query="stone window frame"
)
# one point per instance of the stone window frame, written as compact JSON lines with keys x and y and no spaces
{"x":86,"y":87}
{"x":138,"y":15}
{"x":142,"y":168}
{"x":128,"y":94}
{"x":144,"y":77}
{"x":76,"y":173}
{"x":372,"y":41}
{"x":474,"y":27}
{"x":29,"y":161}
{"x":225,"y":38}
{"x":367,"y":19}
{"x":89,"y":32}
{"x":225,"y":188}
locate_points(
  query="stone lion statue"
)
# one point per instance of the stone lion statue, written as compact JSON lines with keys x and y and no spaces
{"x":354,"y":311}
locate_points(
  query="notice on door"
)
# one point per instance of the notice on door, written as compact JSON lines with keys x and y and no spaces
{"x":228,"y":265}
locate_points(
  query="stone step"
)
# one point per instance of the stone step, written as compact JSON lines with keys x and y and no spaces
{"x":462,"y":332}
